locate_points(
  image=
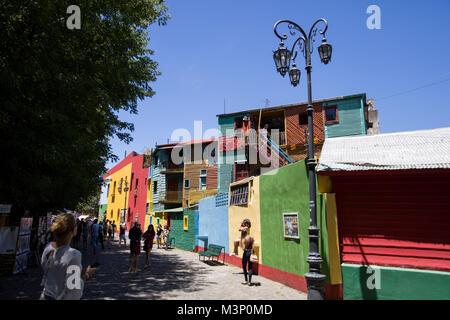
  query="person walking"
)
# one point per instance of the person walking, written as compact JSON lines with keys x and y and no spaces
{"x":84,"y":231}
{"x":89,"y":228}
{"x":159,"y":235}
{"x":105,"y":228}
{"x":248,"y":251}
{"x":60,"y":263}
{"x":166,"y":237}
{"x":100,"y":235}
{"x":113,"y":229}
{"x":135,"y":235}
{"x":109,"y":231}
{"x":95,"y":230}
{"x":148,"y":236}
{"x":122,"y":236}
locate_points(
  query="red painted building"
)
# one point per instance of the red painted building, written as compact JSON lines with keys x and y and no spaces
{"x":393,"y":211}
{"x":128,"y":173}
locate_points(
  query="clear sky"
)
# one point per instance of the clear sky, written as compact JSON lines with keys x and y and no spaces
{"x":212,"y":50}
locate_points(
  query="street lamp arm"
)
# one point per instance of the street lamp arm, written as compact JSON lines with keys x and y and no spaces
{"x":291,"y":25}
{"x":313,"y":32}
{"x":301,"y":45}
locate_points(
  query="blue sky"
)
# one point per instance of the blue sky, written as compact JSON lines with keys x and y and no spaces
{"x":214,"y":50}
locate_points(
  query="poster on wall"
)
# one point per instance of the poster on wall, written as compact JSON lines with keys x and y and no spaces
{"x":23,"y":245}
{"x":290,"y":225}
{"x":8,"y":239}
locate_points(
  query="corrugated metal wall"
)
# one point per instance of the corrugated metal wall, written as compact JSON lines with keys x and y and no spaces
{"x":295,"y":133}
{"x":211,"y":177}
{"x":351,"y":118}
{"x":394,"y":219}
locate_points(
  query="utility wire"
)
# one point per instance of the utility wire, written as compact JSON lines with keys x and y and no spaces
{"x":415,"y":89}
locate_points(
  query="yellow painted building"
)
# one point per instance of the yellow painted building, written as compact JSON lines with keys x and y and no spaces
{"x":117,"y":196}
{"x":148,"y":214}
{"x":251,"y":211}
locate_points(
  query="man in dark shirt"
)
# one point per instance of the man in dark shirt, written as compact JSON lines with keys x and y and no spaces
{"x":135,"y":235}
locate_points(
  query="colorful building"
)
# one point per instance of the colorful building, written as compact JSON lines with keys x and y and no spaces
{"x":183,"y":173}
{"x":127,"y":198}
{"x":393,"y":204}
{"x":242,"y":134}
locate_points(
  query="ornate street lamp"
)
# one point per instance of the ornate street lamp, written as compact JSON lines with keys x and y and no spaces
{"x":294,"y":75}
{"x":315,"y":280}
{"x":282,"y":58}
{"x":325,"y":51}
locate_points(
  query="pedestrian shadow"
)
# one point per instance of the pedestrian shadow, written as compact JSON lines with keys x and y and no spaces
{"x":167,"y":272}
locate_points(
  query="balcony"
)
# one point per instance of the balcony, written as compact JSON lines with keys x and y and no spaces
{"x":171,"y":168}
{"x":170,"y":196}
{"x":240,"y":140}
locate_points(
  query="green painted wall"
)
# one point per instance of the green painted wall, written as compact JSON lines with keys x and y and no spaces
{"x":183,"y":239}
{"x":102,"y":212}
{"x":284,"y":192}
{"x":351,"y":117}
{"x":395,"y":284}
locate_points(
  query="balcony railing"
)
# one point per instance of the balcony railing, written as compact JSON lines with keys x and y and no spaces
{"x":239,"y":140}
{"x":172,"y":196}
{"x":170,"y":167}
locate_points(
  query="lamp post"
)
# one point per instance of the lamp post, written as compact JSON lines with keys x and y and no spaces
{"x":282,"y":57}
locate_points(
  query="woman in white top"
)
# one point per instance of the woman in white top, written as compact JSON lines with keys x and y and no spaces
{"x":63,"y":278}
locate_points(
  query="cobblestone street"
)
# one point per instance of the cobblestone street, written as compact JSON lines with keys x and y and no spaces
{"x":174,"y":274}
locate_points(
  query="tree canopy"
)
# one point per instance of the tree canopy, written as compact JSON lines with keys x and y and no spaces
{"x":62,"y":90}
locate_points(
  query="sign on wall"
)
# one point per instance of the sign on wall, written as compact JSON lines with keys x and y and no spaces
{"x":290,"y":225}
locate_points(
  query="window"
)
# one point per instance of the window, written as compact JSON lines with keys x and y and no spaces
{"x":238,"y":122}
{"x":131,"y":182}
{"x":186,"y":183}
{"x":241,"y":171}
{"x":303,"y":118}
{"x":146,"y":209}
{"x":137,"y":181}
{"x":155,"y":186}
{"x":107,"y":191}
{"x":202,"y":184}
{"x":331,"y":115}
{"x":186,"y":223}
{"x":156,"y":161}
{"x":239,"y":194}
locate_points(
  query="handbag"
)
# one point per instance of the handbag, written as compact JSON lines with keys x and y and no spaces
{"x":253,"y":258}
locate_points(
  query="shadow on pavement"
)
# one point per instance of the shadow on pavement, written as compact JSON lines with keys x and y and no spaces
{"x":112,"y":280}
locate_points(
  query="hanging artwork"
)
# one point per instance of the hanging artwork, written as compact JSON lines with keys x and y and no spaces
{"x":290,"y":225}
{"x":23,"y":245}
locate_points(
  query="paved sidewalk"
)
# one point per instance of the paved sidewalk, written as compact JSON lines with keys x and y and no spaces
{"x":174,"y":274}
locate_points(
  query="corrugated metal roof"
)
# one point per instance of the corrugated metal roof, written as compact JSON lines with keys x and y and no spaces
{"x":423,"y":149}
{"x":266,"y":109}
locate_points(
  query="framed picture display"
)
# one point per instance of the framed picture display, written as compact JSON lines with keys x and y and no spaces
{"x":290,"y":225}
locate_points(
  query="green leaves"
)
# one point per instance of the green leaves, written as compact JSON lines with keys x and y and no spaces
{"x":62,"y":90}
